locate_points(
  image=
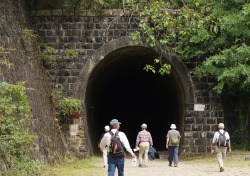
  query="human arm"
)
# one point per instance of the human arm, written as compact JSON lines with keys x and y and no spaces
{"x":105,"y":141}
{"x":229,"y":146}
{"x":214,"y":141}
{"x":137,"y":140}
{"x":150,"y":140}
{"x":229,"y":149}
{"x":167,"y":142}
{"x":126,"y":144}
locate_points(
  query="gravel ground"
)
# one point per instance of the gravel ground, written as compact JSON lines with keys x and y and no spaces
{"x":196,"y":167}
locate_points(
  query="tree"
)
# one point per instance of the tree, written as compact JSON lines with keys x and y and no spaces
{"x":216,"y":31}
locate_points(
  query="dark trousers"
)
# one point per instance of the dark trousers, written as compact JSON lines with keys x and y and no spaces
{"x":116,"y":162}
{"x":173,"y":154}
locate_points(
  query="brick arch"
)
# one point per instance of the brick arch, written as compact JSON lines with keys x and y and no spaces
{"x":180,"y":75}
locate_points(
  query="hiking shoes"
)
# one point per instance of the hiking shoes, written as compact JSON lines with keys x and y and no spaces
{"x":175,"y":165}
{"x":170,"y":164}
{"x":221,"y":169}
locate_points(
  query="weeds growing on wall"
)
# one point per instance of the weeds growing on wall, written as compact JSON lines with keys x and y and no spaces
{"x":15,"y":137}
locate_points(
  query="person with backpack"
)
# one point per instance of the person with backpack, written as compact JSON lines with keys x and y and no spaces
{"x":116,"y":141}
{"x":221,"y":143}
{"x":105,"y":150}
{"x":143,"y":141}
{"x":172,"y":145}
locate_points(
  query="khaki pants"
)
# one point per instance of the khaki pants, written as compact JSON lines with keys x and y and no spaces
{"x":221,"y":155}
{"x":105,"y":158}
{"x":143,"y":153}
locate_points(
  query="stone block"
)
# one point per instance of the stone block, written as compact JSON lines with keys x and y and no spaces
{"x":187,"y":128}
{"x":189,"y":120}
{"x":211,"y":120}
{"x":196,"y":127}
{"x":210,"y":134}
{"x":200,"y":120}
{"x":196,"y":134}
{"x":206,"y":128}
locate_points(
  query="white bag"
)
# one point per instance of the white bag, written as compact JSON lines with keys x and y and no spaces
{"x":134,"y":162}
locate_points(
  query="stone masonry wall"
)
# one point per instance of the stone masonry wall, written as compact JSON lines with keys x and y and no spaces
{"x":18,"y":38}
{"x":88,"y":31}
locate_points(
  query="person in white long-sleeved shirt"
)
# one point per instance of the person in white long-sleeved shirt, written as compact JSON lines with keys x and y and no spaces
{"x":118,"y":161}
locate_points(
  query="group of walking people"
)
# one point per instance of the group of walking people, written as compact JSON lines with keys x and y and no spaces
{"x":144,"y":142}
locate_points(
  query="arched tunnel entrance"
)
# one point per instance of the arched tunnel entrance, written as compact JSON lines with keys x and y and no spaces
{"x":118,"y":87}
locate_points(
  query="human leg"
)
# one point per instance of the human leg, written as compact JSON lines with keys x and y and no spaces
{"x":219,"y":156}
{"x":146,"y":154}
{"x":111,"y":166}
{"x":170,"y":155}
{"x":141,"y":153}
{"x":105,"y":159}
{"x":176,"y":151}
{"x":120,"y":165}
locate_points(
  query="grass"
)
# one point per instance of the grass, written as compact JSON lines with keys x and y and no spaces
{"x":85,"y":167}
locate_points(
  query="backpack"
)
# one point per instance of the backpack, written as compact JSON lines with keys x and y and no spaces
{"x":115,"y":147}
{"x":174,"y":140}
{"x":222,"y":141}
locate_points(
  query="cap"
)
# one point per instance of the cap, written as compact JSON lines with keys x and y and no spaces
{"x":173,"y":126}
{"x":106,"y":128}
{"x":114,"y":122}
{"x":144,"y":126}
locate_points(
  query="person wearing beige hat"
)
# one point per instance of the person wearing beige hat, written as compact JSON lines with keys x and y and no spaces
{"x":221,"y":144}
{"x":143,"y":142}
{"x":105,"y":150}
{"x":172,"y":145}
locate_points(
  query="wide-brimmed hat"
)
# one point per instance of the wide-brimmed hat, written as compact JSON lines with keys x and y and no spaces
{"x":173,"y":126}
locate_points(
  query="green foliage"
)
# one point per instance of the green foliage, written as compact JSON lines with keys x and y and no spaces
{"x":14,"y":122}
{"x":231,"y":68}
{"x":23,"y":166}
{"x":29,"y":34}
{"x":57,"y":94}
{"x":164,"y":68}
{"x":218,"y":31}
{"x":68,"y":105}
{"x":49,"y":53}
{"x":71,"y":53}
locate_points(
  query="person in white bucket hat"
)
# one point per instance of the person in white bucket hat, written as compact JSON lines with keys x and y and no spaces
{"x":172,"y":145}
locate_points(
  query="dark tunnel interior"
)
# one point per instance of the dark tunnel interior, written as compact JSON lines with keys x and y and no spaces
{"x":119,"y":88}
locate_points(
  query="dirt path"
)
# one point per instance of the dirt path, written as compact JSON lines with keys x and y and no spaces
{"x":235,"y":166}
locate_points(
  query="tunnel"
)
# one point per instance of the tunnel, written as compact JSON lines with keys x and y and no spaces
{"x":119,"y":88}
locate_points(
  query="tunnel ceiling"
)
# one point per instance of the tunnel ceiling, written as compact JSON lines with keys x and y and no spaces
{"x":119,"y":88}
